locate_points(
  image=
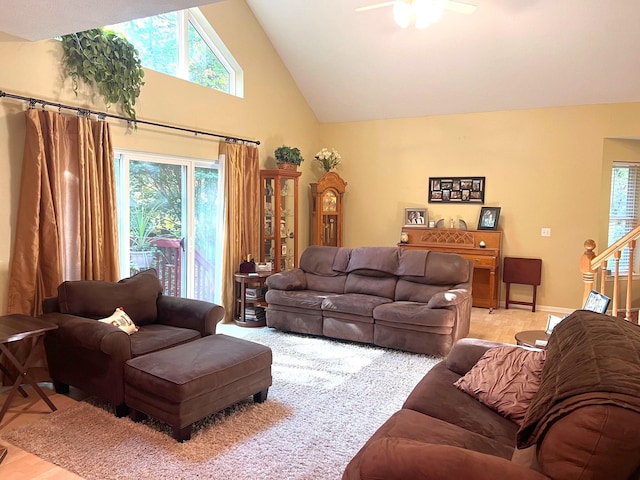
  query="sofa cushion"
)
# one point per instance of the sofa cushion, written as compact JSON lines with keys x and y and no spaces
{"x":505,"y":379}
{"x":444,"y":269}
{"x":436,"y":396}
{"x":155,"y":337}
{"x":137,"y":295}
{"x":413,"y":425}
{"x":412,"y":262}
{"x":374,"y":261}
{"x":353,"y":303}
{"x":324,"y":283}
{"x":306,"y":299}
{"x":416,"y":292}
{"x":368,"y":285}
{"x":324,"y":260}
{"x":413,"y":313}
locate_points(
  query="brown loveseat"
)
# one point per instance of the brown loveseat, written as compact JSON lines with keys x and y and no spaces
{"x":582,"y":422}
{"x":412,"y":300}
{"x":91,"y":355}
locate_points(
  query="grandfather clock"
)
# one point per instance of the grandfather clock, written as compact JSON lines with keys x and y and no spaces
{"x":326,"y":210}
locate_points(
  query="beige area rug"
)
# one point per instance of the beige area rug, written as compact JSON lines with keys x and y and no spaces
{"x":327,"y":399}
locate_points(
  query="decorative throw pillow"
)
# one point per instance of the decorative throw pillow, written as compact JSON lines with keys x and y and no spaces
{"x":505,"y":379}
{"x":121,"y":320}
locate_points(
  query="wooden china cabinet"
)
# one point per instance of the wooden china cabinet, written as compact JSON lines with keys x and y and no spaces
{"x":279,"y":218}
{"x":327,"y":215}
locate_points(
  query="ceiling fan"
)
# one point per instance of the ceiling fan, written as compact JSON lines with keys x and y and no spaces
{"x":421,"y":12}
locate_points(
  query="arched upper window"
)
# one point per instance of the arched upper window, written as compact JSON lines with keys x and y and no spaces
{"x":183,"y":44}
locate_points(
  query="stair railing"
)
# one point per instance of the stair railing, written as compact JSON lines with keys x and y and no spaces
{"x":591,"y":265}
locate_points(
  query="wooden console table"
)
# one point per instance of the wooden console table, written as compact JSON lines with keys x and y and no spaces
{"x":486,"y":259}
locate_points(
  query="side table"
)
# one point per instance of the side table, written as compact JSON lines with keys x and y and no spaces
{"x":242,"y":282}
{"x":14,"y":328}
{"x":532,"y":338}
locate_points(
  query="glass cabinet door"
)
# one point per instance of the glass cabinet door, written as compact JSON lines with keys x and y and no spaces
{"x":280,"y":218}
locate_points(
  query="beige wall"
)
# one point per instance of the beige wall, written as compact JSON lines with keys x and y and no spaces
{"x":272,"y":110}
{"x":545,"y":168}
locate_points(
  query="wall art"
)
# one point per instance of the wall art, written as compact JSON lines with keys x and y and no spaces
{"x":456,"y":189}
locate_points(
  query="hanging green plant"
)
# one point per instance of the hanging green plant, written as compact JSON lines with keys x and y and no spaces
{"x":109,"y":61}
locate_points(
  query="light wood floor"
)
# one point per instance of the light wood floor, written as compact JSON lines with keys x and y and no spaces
{"x":501,"y":325}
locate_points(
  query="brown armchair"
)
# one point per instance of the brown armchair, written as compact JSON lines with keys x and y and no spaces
{"x":90,"y":355}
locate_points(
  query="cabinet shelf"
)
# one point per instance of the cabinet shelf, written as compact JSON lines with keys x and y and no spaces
{"x":279,"y":214}
{"x":244,"y":313}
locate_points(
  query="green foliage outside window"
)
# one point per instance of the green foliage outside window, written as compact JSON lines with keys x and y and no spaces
{"x":157,"y":39}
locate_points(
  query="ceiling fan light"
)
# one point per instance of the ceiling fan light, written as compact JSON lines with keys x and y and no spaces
{"x":428,"y":12}
{"x":402,"y":13}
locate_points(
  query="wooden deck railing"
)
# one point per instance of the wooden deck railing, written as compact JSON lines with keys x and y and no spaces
{"x":594,"y":267}
{"x":168,"y":263}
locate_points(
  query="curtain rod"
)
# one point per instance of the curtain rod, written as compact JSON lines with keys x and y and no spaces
{"x":102,"y":115}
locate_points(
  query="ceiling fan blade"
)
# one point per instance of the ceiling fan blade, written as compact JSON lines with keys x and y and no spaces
{"x":374,"y":6}
{"x":460,"y":7}
{"x":453,"y":5}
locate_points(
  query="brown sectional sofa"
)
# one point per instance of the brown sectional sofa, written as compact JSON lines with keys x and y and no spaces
{"x":582,"y":422}
{"x":418,"y":301}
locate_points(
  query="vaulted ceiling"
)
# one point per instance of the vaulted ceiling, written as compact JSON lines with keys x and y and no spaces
{"x":507,"y":54}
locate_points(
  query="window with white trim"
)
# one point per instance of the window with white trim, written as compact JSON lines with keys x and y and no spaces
{"x":624,"y":206}
{"x":183,"y":44}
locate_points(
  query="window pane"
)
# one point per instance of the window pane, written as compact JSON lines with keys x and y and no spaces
{"x":156,"y":40}
{"x":206,"y":221}
{"x":623,"y":207}
{"x":204,"y":67}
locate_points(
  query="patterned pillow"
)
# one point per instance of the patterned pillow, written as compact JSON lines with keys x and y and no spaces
{"x":121,"y":320}
{"x":505,"y":379}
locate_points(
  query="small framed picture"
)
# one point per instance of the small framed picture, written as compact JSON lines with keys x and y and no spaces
{"x":552,"y":322}
{"x":415,"y":216}
{"x":489,"y":218}
{"x":596,"y":302}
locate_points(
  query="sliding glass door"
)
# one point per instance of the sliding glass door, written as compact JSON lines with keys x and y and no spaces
{"x":169,"y":220}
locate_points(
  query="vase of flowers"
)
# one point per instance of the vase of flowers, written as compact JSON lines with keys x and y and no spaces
{"x":329,"y":159}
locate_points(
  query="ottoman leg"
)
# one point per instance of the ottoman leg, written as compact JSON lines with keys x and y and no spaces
{"x":137,"y":416}
{"x":182,"y":434}
{"x":260,"y":396}
{"x":121,"y":410}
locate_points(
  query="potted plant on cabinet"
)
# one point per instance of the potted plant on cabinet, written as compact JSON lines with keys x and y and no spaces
{"x":288,"y":157}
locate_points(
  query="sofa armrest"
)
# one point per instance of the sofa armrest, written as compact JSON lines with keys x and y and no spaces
{"x":89,"y":334}
{"x":449,"y":298}
{"x":466,"y":352}
{"x":294,"y":279}
{"x":189,"y":313}
{"x":398,"y":458}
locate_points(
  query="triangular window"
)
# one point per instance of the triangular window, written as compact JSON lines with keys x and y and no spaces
{"x":183,"y":44}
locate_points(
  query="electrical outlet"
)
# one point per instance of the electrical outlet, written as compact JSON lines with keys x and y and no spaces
{"x":545,"y":232}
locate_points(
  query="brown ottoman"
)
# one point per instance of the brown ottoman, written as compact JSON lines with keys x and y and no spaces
{"x":183,"y":384}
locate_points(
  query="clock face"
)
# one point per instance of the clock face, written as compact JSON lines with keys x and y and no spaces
{"x":329,"y":202}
